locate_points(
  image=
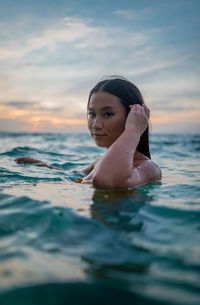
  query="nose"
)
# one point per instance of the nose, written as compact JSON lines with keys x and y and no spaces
{"x":97,"y":122}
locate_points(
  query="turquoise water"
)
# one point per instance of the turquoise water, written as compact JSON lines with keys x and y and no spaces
{"x":62,"y":242}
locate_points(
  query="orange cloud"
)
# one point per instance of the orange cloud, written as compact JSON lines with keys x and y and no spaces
{"x":40,"y":119}
{"x":185,"y":116}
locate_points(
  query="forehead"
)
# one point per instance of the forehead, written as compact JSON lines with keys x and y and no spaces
{"x":103,"y":99}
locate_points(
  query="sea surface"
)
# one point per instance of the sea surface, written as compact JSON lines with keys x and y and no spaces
{"x":67,"y":243}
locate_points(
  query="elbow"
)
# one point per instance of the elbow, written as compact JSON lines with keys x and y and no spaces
{"x":99,"y":183}
{"x":107,"y":183}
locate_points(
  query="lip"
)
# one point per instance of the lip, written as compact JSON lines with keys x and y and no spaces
{"x":98,"y":135}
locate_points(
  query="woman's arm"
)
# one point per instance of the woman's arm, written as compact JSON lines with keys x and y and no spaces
{"x":88,"y":169}
{"x":28,"y":160}
{"x":115,"y":170}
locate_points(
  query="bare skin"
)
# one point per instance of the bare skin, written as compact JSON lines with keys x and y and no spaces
{"x":121,"y":166}
{"x":28,"y":160}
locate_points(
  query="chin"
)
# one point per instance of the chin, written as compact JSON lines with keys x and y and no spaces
{"x":100,"y":144}
{"x":103,"y":144}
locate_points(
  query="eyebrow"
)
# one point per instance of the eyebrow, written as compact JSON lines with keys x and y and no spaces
{"x":104,"y":108}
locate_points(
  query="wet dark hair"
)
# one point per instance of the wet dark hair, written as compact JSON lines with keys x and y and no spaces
{"x":128,"y":94}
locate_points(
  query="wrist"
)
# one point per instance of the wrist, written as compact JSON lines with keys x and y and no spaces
{"x":133,"y":131}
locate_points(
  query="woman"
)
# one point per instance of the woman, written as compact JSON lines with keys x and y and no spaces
{"x":117,"y":120}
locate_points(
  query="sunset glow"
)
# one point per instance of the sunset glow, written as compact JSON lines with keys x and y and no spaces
{"x":49,"y":62}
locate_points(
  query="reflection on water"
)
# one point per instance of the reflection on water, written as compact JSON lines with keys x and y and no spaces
{"x":122,"y":262}
{"x":87,"y":293}
{"x":119,"y":247}
{"x":119,"y":209}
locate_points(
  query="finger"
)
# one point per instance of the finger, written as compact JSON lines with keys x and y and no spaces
{"x":18,"y":159}
{"x":135,"y":106}
{"x":139,"y":108}
{"x":146,"y":109}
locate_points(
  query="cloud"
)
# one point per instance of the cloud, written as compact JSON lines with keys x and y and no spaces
{"x":184,"y":93}
{"x":154,"y":68}
{"x":39,"y":118}
{"x":175,"y":117}
{"x":13,"y":124}
{"x":31,"y":106}
{"x":127,"y":14}
{"x":6,"y":53}
{"x":176,"y":105}
{"x":68,"y":30}
{"x":72,"y":32}
{"x":134,"y":14}
{"x":82,"y":48}
{"x":21,"y":104}
{"x":46,"y":74}
{"x":64,"y":60}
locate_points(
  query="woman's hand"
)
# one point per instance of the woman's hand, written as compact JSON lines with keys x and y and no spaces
{"x":137,"y":118}
{"x":28,"y":160}
{"x":25,"y":159}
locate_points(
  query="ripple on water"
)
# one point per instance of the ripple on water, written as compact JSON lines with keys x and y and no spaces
{"x":60,"y":238}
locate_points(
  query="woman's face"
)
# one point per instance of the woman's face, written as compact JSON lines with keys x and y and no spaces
{"x":106,"y":118}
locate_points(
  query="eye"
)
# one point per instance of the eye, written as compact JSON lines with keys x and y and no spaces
{"x":91,"y":114}
{"x":108,"y":114}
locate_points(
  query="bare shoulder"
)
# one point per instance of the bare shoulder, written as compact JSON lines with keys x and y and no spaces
{"x":144,"y":171}
{"x":150,"y":170}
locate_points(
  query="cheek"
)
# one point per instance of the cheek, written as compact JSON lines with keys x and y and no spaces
{"x":89,"y":123}
{"x":118,"y":126}
{"x":121,"y":123}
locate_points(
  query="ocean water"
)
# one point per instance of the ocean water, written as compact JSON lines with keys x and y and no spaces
{"x":67,"y":243}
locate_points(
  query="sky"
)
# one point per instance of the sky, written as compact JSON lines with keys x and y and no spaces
{"x":53,"y":52}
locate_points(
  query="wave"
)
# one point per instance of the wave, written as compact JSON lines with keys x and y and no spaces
{"x":75,"y":293}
